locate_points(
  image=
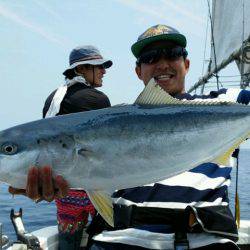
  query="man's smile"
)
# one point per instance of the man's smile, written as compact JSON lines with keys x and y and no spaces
{"x":164,"y":77}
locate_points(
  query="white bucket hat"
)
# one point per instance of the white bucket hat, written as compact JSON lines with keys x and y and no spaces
{"x":87,"y":54}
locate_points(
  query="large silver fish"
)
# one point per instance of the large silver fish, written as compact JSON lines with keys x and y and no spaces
{"x":125,"y":146}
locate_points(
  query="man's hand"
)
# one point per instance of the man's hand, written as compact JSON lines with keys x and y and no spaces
{"x":41,"y":185}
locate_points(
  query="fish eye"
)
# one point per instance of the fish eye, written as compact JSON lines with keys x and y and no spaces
{"x":9,"y":148}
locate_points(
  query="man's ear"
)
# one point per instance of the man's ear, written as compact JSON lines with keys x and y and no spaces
{"x":187,"y":64}
{"x":138,"y":71}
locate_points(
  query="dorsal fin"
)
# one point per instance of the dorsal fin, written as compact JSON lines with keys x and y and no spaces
{"x":153,"y":94}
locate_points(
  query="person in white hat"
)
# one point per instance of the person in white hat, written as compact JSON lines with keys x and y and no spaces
{"x":84,"y":75}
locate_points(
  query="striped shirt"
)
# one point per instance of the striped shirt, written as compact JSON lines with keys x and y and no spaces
{"x":203,"y":186}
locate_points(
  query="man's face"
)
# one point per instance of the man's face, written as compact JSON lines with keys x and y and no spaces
{"x":168,"y":73}
{"x":92,"y":74}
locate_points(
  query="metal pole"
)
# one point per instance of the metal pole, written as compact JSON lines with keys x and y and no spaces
{"x":224,"y":63}
{"x":1,"y":234}
{"x":205,"y":78}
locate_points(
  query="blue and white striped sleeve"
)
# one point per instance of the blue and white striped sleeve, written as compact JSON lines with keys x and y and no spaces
{"x":244,"y":97}
{"x":235,"y":95}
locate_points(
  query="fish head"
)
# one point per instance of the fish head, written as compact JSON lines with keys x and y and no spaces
{"x":28,"y":145}
{"x":16,"y":155}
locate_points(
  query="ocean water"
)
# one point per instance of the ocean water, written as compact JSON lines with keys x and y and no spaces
{"x":38,"y":215}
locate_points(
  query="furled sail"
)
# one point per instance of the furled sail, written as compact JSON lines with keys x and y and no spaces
{"x":230,"y":33}
{"x":231,"y":26}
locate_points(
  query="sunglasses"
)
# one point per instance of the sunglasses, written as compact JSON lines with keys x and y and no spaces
{"x":90,"y":66}
{"x":154,"y":55}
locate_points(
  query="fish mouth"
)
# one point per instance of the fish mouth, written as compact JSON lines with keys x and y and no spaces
{"x":14,"y":168}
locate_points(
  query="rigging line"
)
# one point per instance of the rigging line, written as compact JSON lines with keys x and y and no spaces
{"x":217,"y":80}
{"x":235,"y":157}
{"x":213,"y":47}
{"x":243,"y":33}
{"x":227,"y":76}
{"x":237,"y":203}
{"x":212,"y":87}
{"x":220,"y":82}
{"x":204,"y":53}
{"x":225,"y":81}
{"x":228,"y":83}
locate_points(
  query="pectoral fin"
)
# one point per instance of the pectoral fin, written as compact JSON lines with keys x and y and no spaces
{"x":224,"y":159}
{"x":103,"y":204}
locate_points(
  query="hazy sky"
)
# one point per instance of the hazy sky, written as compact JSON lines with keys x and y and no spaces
{"x":37,"y":37}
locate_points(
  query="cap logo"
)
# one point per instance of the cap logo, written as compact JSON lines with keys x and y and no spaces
{"x":154,"y":31}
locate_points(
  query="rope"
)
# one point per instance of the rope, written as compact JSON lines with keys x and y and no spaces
{"x":225,"y":81}
{"x":212,"y":44}
{"x":243,"y":32}
{"x":204,"y":54}
{"x":237,"y":201}
{"x":233,"y":75}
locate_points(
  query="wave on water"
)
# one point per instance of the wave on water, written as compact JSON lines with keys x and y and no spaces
{"x":35,"y":215}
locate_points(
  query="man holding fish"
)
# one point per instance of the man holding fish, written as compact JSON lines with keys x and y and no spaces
{"x":188,"y":210}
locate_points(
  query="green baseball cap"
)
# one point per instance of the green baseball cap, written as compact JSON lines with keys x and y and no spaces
{"x":157,"y":33}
